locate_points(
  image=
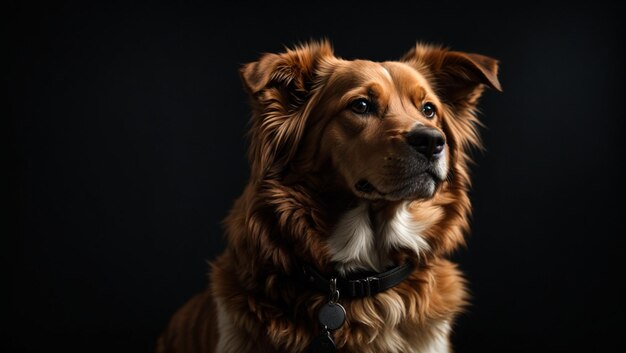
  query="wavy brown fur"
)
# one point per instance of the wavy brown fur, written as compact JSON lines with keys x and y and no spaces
{"x":294,"y":199}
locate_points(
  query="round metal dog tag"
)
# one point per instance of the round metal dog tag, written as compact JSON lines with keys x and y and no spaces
{"x":332,"y":315}
{"x":323,"y":344}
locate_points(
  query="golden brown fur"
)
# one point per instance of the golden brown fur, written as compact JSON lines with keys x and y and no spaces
{"x":307,"y":152}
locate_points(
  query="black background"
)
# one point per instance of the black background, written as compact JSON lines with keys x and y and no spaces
{"x":126,"y":149}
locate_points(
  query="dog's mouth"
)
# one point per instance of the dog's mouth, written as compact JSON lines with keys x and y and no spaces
{"x":421,"y":186}
{"x":365,"y":186}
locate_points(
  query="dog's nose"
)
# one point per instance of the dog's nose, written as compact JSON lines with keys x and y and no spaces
{"x":427,"y":141}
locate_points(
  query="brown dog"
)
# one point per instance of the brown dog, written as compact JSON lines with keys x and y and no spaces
{"x":358,"y":192}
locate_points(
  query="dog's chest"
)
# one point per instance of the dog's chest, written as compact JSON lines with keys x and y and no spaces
{"x":363,"y":240}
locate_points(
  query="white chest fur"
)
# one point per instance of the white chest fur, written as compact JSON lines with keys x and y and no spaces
{"x":362,"y":240}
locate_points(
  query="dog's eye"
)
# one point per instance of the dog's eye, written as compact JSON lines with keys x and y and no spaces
{"x":361,"y":106}
{"x":429,"y":110}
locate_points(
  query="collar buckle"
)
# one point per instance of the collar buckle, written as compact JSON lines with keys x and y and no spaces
{"x":365,"y":287}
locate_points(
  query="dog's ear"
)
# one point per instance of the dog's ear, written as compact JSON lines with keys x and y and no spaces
{"x":459,"y":77}
{"x":280,"y":87}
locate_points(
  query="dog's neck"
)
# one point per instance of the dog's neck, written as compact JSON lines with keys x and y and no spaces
{"x":366,"y":236}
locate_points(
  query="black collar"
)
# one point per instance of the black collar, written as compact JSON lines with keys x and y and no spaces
{"x":365,"y":286}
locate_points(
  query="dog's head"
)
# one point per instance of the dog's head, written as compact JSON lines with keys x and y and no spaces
{"x":392,"y":130}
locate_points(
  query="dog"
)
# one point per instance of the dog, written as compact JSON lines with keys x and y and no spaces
{"x":357,"y":193}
